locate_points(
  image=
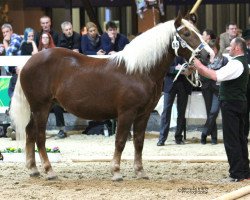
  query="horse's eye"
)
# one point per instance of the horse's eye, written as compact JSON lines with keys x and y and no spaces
{"x":187,"y":34}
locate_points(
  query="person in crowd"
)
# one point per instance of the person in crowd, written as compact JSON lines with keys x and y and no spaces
{"x":246,"y":36}
{"x":11,"y":45}
{"x":45,"y":23}
{"x":182,"y":88}
{"x":210,"y":91}
{"x":69,"y":39}
{"x":46,"y":42}
{"x":91,"y":42}
{"x":208,"y":35}
{"x":232,"y":94}
{"x":111,"y":40}
{"x":227,"y":37}
{"x":28,"y":46}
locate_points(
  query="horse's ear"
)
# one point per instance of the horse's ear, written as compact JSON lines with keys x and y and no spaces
{"x":187,"y":16}
{"x":177,"y":22}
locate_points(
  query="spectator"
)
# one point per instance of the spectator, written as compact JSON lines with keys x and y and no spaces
{"x":227,"y":37}
{"x":210,"y":91}
{"x":69,"y":39}
{"x":47,"y":42}
{"x":11,"y":44}
{"x":208,"y":35}
{"x":91,"y":42}
{"x":182,"y":88}
{"x":45,"y":23}
{"x":111,"y":40}
{"x":28,"y":46}
{"x":234,"y":79}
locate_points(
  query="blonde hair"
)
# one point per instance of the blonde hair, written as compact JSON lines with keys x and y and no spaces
{"x":90,"y":25}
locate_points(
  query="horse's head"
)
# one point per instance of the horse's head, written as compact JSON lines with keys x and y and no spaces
{"x":188,"y":43}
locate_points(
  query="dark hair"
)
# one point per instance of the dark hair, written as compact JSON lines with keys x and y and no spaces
{"x":214,"y":43}
{"x":241,"y":43}
{"x":211,"y":33}
{"x":111,"y":24}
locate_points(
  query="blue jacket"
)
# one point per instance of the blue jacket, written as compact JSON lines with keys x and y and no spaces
{"x":108,"y":46}
{"x":87,"y":47}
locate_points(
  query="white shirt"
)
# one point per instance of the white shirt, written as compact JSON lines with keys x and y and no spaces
{"x":232,"y":70}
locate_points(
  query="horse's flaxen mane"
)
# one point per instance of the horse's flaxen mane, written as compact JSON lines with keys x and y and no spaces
{"x":143,"y":52}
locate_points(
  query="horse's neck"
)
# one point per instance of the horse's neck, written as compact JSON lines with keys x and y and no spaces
{"x":159,"y":71}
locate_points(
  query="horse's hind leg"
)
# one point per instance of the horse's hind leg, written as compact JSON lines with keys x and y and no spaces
{"x":30,"y":148}
{"x":123,"y":129}
{"x":41,"y":118}
{"x":139,"y":128}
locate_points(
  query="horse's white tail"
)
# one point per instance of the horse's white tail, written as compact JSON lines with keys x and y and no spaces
{"x":19,"y":111}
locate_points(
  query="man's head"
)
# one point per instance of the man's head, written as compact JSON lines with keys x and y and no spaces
{"x":232,"y":30}
{"x":45,"y":23}
{"x":7,"y":31}
{"x":238,"y":47}
{"x":111,"y":29}
{"x":67,"y":29}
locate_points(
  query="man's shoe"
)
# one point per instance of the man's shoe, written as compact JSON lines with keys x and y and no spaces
{"x":179,"y":142}
{"x":203,"y":139}
{"x":230,"y":179}
{"x":214,"y":141}
{"x":61,"y":134}
{"x":160,"y":143}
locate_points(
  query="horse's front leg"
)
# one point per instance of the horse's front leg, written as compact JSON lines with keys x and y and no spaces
{"x":123,"y":129}
{"x":139,"y":128}
{"x":30,"y":149}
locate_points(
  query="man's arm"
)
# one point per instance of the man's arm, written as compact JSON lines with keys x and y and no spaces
{"x":204,"y":71}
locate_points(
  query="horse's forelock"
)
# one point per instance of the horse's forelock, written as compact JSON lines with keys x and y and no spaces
{"x":144,"y":51}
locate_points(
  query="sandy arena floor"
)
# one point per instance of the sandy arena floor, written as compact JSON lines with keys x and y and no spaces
{"x":92,"y":179}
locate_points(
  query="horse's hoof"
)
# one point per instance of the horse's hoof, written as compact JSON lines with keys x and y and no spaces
{"x":35,"y":174}
{"x":117,"y":177}
{"x":52,"y":176}
{"x":142,"y":175}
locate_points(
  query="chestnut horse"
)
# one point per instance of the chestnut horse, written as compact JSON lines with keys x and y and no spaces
{"x":126,"y":86}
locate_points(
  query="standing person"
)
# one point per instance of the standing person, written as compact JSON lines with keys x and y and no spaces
{"x":232,"y":94}
{"x":45,"y":23}
{"x":182,"y":88}
{"x":246,"y":36}
{"x":28,"y":46}
{"x":210,"y":92}
{"x":227,"y":37}
{"x":11,"y":45}
{"x":47,"y":42}
{"x":208,"y":35}
{"x":69,"y":39}
{"x":91,"y":42}
{"x":111,"y":40}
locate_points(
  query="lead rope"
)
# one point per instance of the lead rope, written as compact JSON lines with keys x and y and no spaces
{"x":194,"y":81}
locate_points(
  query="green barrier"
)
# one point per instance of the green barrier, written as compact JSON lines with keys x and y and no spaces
{"x":4,"y":97}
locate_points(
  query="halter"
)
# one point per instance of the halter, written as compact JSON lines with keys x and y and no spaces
{"x":176,"y":44}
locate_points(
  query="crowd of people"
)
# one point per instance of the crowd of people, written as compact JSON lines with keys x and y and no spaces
{"x":90,"y":43}
{"x":225,"y":82}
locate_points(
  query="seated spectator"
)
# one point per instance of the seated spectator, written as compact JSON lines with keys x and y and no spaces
{"x":28,"y":46}
{"x":111,"y":40}
{"x":45,"y":23}
{"x":69,"y":39}
{"x":47,"y":42}
{"x":11,"y":45}
{"x":91,"y":42}
{"x":227,"y":37}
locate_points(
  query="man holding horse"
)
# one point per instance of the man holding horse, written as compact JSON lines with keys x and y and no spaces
{"x":234,"y":78}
